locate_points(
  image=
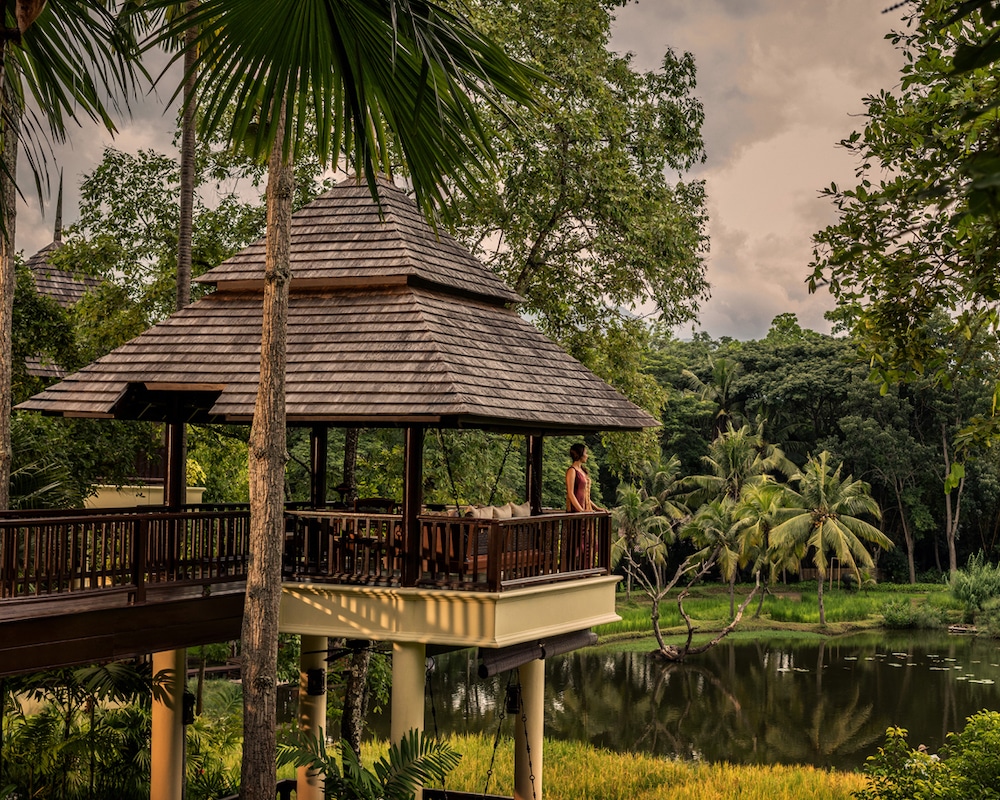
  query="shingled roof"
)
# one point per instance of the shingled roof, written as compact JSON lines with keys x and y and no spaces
{"x":387,"y":326}
{"x":62,"y":286}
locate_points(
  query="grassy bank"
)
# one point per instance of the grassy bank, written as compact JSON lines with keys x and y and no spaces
{"x":573,"y":771}
{"x":792,"y":610}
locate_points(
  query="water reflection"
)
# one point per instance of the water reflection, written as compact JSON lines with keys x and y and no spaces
{"x":765,"y":702}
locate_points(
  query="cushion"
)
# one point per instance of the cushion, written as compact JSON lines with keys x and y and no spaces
{"x":502,"y":512}
{"x":523,"y":510}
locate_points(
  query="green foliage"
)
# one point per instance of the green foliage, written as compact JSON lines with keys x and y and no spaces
{"x":904,"y":614}
{"x":415,"y":761}
{"x":966,"y":767}
{"x":584,"y":218}
{"x":911,"y":211}
{"x":976,"y":584}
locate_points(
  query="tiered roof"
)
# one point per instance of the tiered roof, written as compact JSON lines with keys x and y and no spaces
{"x":389,"y":324}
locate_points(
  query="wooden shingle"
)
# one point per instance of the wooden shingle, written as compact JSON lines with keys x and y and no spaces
{"x":391,"y":325}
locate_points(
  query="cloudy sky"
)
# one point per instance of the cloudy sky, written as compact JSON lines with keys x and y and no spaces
{"x":782,"y":82}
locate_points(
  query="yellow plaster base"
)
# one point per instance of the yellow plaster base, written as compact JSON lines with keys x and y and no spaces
{"x":436,"y":616}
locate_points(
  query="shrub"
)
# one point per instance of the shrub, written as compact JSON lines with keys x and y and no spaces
{"x":975,"y":585}
{"x":988,"y":620}
{"x":967,"y":766}
{"x":902,"y":614}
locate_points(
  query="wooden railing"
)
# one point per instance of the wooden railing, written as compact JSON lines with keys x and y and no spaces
{"x":135,"y":550}
{"x":469,"y":553}
{"x":343,"y":547}
{"x":121,"y":550}
{"x":454,"y":552}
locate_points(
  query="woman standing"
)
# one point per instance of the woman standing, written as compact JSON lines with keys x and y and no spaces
{"x":578,"y":481}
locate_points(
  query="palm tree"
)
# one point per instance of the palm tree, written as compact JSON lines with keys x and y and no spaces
{"x":822,"y":519}
{"x":715,"y":530}
{"x":667,"y":486}
{"x":639,"y":527}
{"x":360,"y":73}
{"x":756,"y":512}
{"x":720,"y":389}
{"x":737,"y":457}
{"x":73,"y":59}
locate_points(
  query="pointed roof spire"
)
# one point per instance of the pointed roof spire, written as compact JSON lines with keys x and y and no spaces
{"x":57,"y":233}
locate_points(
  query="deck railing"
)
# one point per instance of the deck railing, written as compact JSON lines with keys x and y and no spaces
{"x":454,"y":552}
{"x":125,"y":549}
{"x":134,"y":550}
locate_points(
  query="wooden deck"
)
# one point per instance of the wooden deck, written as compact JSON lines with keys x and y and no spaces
{"x":74,"y":585}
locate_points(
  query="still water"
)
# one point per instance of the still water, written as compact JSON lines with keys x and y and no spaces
{"x":768,"y":702}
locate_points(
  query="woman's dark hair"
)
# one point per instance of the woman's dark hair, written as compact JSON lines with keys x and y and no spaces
{"x":577,"y":450}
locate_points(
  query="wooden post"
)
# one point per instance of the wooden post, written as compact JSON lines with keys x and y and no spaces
{"x":175,"y":477}
{"x":318,"y":445}
{"x":413,"y":479}
{"x":533,"y":473}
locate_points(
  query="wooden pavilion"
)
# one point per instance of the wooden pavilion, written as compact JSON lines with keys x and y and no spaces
{"x":390,"y":324}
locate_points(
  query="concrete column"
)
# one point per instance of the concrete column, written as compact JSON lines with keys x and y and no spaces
{"x":529,"y":732}
{"x":408,"y":672}
{"x":166,"y":769}
{"x":312,"y":710}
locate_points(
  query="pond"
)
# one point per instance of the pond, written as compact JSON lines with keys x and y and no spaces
{"x":825,"y":704}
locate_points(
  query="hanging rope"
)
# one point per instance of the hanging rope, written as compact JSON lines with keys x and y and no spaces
{"x":527,"y":741}
{"x":430,"y":665}
{"x":496,"y":483}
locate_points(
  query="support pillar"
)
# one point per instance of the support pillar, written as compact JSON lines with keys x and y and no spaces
{"x":413,"y":498}
{"x":533,"y":474}
{"x":409,"y":668}
{"x":166,"y":768}
{"x":312,"y":709}
{"x":175,"y":474}
{"x":318,"y":447}
{"x":529,"y":732}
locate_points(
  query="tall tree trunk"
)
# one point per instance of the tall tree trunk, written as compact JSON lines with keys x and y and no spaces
{"x":8,"y":190}
{"x":821,"y":579}
{"x":266,"y":466}
{"x":952,"y":507}
{"x":186,"y":214}
{"x":907,"y":532}
{"x":352,"y":722}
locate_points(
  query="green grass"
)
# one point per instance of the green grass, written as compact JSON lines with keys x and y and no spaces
{"x":785,"y":607}
{"x":575,"y":770}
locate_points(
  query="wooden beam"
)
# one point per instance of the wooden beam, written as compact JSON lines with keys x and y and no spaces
{"x":70,"y":639}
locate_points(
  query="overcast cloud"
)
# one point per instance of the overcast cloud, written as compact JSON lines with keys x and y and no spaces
{"x":781,"y":81}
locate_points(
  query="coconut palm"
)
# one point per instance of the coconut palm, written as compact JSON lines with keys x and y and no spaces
{"x":639,"y":528}
{"x":719,"y":389}
{"x":756,"y":512}
{"x":823,"y":519}
{"x":72,"y":59}
{"x":714,"y":529}
{"x":374,"y":77}
{"x":737,"y":457}
{"x":667,"y":486}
